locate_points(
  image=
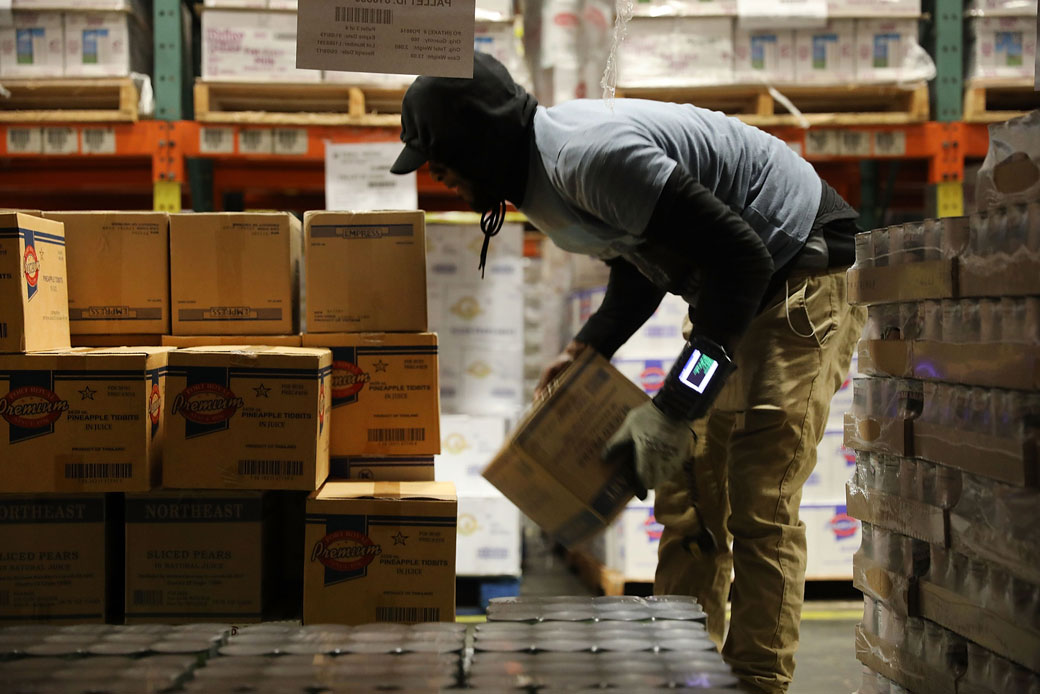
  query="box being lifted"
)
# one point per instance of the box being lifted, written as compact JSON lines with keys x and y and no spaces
{"x":552,"y":466}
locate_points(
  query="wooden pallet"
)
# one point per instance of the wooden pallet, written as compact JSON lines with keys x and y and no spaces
{"x":600,"y":578}
{"x":296,"y":104}
{"x":992,"y":101}
{"x":66,"y":100}
{"x":820,"y":105}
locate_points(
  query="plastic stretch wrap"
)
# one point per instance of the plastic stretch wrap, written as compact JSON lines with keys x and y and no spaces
{"x":1011,"y":170}
{"x":876,"y":683}
{"x":1004,"y":414}
{"x":915,"y":637}
{"x":912,"y":242}
{"x":986,"y":585}
{"x":988,"y":673}
{"x":997,"y":522}
{"x":908,"y":478}
{"x":882,"y":410}
{"x":893,"y":552}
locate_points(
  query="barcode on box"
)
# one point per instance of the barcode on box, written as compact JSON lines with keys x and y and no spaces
{"x":99,"y":471}
{"x":148,"y":597}
{"x":270,"y":468}
{"x":408,"y":614}
{"x":364,"y":15}
{"x":99,"y":141}
{"x":402,"y":435}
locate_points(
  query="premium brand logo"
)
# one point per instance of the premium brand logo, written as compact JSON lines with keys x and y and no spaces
{"x":155,"y":404}
{"x":345,"y":550}
{"x":31,"y":266}
{"x":207,"y":403}
{"x":32,"y":407}
{"x":347,"y":379}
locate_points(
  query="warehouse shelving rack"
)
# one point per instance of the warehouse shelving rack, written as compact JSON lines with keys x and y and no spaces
{"x":174,"y":160}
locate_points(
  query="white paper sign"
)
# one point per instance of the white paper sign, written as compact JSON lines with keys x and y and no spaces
{"x":781,"y":14}
{"x":411,"y":37}
{"x":357,"y":177}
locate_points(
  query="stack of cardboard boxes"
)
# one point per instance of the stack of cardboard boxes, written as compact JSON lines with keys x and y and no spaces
{"x":217,"y":437}
{"x":390,"y":528}
{"x":480,"y":322}
{"x":1002,"y":34}
{"x":945,"y":433}
{"x":91,"y":38}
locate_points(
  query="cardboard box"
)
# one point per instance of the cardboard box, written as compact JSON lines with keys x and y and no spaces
{"x":251,"y":46}
{"x":34,"y":300}
{"x":32,"y":45}
{"x":106,"y":44}
{"x":883,"y":49}
{"x":874,"y":8}
{"x":468,"y":443}
{"x":117,"y":341}
{"x":383,"y":469}
{"x":182,"y":341}
{"x":834,"y":465}
{"x":832,"y":536}
{"x":899,"y":514}
{"x":118,"y":270}
{"x":995,"y":365}
{"x":631,"y":542}
{"x":488,"y":542}
{"x":478,"y":377}
{"x":1002,"y":47}
{"x":194,"y":557}
{"x":676,"y":52}
{"x":248,"y":418}
{"x":897,"y":591}
{"x":764,"y":55}
{"x":366,"y":271}
{"x":380,"y":552}
{"x":891,"y":435}
{"x":53,"y":564}
{"x":1000,"y":8}
{"x":686,"y":8}
{"x":385,"y":397}
{"x":1008,"y":460}
{"x":826,"y":55}
{"x":499,"y":39}
{"x":82,"y":421}
{"x":552,"y":467}
{"x":235,"y":273}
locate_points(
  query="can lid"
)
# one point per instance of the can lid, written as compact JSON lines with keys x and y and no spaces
{"x":624,"y":645}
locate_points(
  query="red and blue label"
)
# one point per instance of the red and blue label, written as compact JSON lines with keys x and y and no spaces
{"x":842,"y":524}
{"x":652,"y":528}
{"x":30,"y":407}
{"x":651,"y":378}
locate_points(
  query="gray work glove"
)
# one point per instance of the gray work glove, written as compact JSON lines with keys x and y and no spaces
{"x":651,"y":445}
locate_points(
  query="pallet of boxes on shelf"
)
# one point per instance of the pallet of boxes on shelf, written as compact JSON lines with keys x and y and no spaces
{"x":1001,"y":36}
{"x":861,"y":64}
{"x":74,"y":60}
{"x":944,"y":428}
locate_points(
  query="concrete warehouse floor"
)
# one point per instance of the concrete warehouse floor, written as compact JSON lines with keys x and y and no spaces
{"x":826,"y":656}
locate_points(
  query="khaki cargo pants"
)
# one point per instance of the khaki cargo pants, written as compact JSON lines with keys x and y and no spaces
{"x":755,"y":450}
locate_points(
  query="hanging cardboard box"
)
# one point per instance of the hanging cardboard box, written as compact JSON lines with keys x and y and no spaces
{"x":248,"y":418}
{"x":385,"y":397}
{"x":54,"y":559}
{"x":380,"y":552}
{"x":34,"y":301}
{"x":87,"y":420}
{"x":118,"y":269}
{"x":234,"y":273}
{"x":552,"y":467}
{"x":366,"y":271}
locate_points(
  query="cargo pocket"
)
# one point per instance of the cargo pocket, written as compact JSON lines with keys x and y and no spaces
{"x":810,"y":309}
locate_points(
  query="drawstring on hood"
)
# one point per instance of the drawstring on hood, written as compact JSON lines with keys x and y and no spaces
{"x":480,"y":127}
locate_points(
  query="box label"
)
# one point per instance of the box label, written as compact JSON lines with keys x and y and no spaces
{"x":411,"y":37}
